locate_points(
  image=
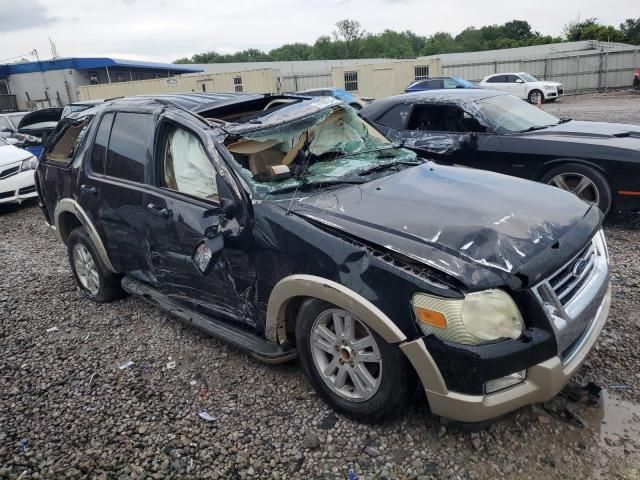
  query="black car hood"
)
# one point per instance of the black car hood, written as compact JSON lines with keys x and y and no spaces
{"x":482,"y":228}
{"x":591,"y":130}
{"x":40,"y":119}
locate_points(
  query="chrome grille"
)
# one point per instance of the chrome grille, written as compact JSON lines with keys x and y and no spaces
{"x":568,"y":280}
{"x":9,"y":171}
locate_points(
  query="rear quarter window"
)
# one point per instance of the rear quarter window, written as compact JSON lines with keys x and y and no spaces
{"x":395,"y":117}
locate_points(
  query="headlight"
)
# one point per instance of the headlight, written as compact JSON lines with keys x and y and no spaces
{"x":27,"y":138}
{"x":601,"y":244}
{"x":480,"y":317}
{"x":548,"y":87}
{"x":29,"y":164}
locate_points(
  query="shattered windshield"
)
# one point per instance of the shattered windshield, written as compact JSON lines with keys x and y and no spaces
{"x":328,"y":147}
{"x":508,"y":114}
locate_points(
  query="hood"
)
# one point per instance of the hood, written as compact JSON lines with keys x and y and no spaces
{"x":10,"y":154}
{"x":550,"y":84}
{"x":46,"y":116}
{"x":482,"y":228}
{"x":617,"y":135}
{"x":594,"y":129}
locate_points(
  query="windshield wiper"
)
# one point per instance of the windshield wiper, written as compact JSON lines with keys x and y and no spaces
{"x":384,"y":166}
{"x":320,"y":183}
{"x":531,"y":129}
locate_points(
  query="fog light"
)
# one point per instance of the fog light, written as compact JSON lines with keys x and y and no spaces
{"x":504,"y":382}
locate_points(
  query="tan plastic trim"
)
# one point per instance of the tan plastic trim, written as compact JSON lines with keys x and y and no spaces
{"x":329,"y":291}
{"x":71,"y":206}
{"x":543,"y":382}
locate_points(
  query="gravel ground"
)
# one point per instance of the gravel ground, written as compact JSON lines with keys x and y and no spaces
{"x":67,"y":409}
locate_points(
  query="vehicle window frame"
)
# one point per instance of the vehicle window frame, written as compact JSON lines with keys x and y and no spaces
{"x":70,"y":161}
{"x":159,"y":150}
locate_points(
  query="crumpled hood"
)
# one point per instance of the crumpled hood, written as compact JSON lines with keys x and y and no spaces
{"x":10,"y":154}
{"x":484,"y":229}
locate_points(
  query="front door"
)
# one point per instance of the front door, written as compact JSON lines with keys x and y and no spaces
{"x":184,"y":229}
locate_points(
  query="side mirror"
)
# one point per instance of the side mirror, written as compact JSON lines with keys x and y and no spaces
{"x":469,"y":142}
{"x":519,"y":80}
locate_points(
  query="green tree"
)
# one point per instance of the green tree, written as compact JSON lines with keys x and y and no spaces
{"x":351,"y":32}
{"x":631,"y":30}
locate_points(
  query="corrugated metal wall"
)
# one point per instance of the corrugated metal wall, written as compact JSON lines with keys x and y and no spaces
{"x":577,"y":71}
{"x":251,"y":81}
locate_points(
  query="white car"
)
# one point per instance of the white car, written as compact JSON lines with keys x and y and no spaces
{"x":523,"y":85}
{"x":17,"y":182}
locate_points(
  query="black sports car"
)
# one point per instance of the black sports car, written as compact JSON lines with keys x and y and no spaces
{"x":599,"y":162}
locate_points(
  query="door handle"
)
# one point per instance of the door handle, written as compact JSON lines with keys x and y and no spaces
{"x":158,"y":211}
{"x":88,"y":189}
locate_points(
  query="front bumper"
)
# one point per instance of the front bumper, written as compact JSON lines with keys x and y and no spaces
{"x":18,"y":187}
{"x":543,"y":381}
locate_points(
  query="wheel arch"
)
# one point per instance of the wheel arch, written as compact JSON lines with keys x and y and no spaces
{"x":556,"y":162}
{"x":69,"y":215}
{"x":296,"y":287}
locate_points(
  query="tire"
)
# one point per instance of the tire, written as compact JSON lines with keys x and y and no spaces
{"x":105,"y":285}
{"x":573,"y":174}
{"x":394,"y":376}
{"x":533,"y":94}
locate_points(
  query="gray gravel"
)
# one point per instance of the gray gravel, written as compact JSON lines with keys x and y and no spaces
{"x":67,"y":409}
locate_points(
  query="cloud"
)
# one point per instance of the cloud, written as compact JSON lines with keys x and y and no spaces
{"x":21,"y":15}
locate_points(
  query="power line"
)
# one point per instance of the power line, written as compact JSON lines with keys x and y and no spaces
{"x":31,"y":53}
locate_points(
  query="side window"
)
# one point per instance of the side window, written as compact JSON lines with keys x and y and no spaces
{"x":395,"y":117}
{"x":511,"y":78}
{"x":186,"y":167}
{"x":131,"y":136}
{"x":448,"y":83}
{"x":438,"y":118}
{"x":498,"y":79}
{"x":438,"y":83}
{"x":99,"y":150}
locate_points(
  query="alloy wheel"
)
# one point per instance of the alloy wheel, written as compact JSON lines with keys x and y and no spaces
{"x":86,"y":269}
{"x":578,"y":184}
{"x":346,"y":355}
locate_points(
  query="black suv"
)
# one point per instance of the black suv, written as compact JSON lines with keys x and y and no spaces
{"x":290,"y":226}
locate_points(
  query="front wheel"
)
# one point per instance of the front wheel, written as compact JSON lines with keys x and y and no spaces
{"x":584,"y":182}
{"x":349,"y":365}
{"x":535,"y":96}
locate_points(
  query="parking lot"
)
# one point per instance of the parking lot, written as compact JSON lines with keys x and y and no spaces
{"x":116,"y":390}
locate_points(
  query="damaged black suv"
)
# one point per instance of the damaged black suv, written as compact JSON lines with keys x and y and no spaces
{"x":289,"y":226}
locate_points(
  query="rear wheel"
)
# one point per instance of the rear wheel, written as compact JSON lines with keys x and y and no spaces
{"x":585,"y":182}
{"x":95,"y":281}
{"x":349,"y":365}
{"x":534,"y":96}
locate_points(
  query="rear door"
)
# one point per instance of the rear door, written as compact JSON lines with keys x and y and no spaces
{"x":112,"y":186}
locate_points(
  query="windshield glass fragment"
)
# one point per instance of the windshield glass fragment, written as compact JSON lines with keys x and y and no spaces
{"x":328,"y":147}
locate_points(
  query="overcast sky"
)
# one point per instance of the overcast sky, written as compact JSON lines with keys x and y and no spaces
{"x":163,"y":30}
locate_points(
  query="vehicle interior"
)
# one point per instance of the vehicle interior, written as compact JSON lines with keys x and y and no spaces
{"x":280,"y":152}
{"x":443,"y":118}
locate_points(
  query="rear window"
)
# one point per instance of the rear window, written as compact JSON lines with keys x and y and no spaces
{"x":127,"y":155}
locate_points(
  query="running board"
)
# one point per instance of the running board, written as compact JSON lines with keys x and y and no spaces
{"x":259,"y":348}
